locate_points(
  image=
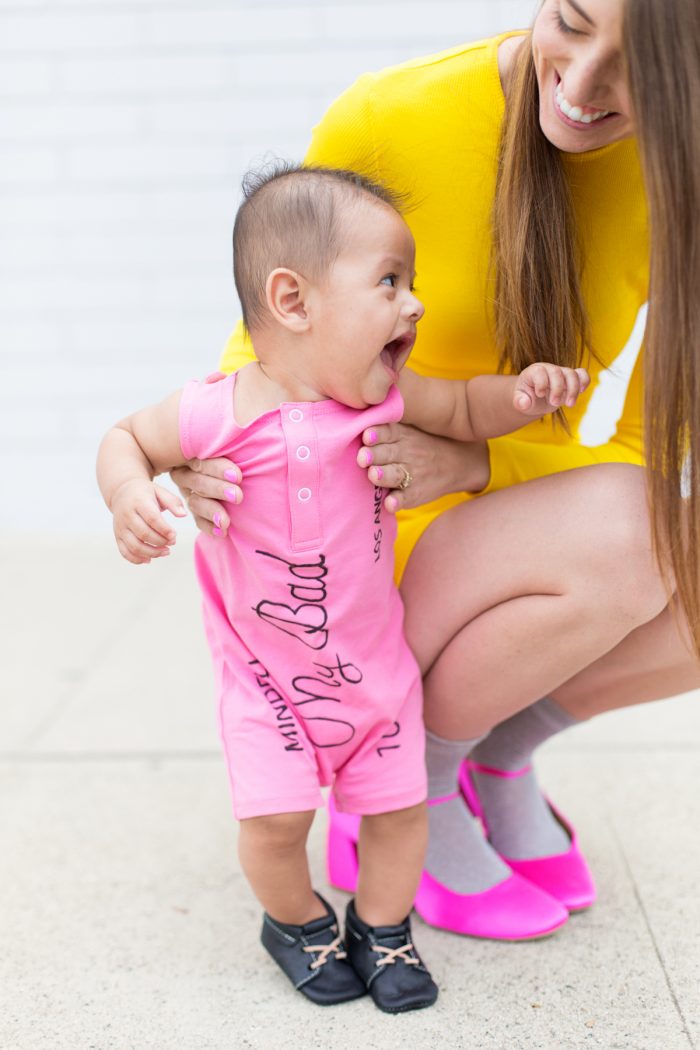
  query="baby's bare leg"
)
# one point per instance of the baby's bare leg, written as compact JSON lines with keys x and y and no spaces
{"x":272,"y":851}
{"x":392,"y":850}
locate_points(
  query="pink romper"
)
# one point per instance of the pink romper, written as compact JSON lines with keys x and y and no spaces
{"x":317,"y":685}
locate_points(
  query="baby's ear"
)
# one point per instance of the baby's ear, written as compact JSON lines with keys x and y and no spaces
{"x":284,"y":292}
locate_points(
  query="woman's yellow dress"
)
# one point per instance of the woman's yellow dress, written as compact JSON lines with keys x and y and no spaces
{"x":430,"y":128}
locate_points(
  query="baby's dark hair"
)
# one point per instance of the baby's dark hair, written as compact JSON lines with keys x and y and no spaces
{"x":290,"y":218}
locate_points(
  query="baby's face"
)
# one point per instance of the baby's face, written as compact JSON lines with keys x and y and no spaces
{"x":365,"y":311}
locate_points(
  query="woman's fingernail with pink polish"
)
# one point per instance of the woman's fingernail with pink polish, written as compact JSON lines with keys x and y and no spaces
{"x":232,"y":475}
{"x":217,"y":531}
{"x":372,"y":436}
{"x":231,"y":495}
{"x":378,"y":473}
{"x":217,"y":520}
{"x":368,"y":457}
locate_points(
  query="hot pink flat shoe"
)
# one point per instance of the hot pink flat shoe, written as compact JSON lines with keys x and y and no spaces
{"x":564,"y":876}
{"x":512,"y":910}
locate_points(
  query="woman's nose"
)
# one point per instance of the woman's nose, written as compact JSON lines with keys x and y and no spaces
{"x":584,"y":84}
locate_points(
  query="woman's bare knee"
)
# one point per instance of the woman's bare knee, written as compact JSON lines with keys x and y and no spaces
{"x":621,"y":568}
{"x":582,"y":535}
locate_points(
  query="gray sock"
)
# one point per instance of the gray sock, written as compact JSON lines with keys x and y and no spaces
{"x":521,"y":824}
{"x":458,"y":854}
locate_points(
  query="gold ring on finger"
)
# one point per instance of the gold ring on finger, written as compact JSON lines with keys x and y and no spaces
{"x":406,"y":479}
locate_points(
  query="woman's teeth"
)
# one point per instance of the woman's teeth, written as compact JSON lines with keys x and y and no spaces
{"x":575,"y":113}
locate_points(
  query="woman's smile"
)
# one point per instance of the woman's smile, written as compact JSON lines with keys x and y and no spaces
{"x":579,"y":117}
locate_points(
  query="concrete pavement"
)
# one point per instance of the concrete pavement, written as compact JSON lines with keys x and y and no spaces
{"x":126,"y":922}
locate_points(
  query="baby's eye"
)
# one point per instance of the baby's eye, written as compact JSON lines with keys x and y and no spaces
{"x":389,"y":279}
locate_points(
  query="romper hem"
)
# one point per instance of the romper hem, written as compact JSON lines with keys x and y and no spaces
{"x":385,"y":804}
{"x":272,"y":806}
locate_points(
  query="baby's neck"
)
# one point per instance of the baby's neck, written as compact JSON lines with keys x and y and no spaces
{"x":286,"y":364}
{"x":289,"y":385}
{"x":260,"y":389}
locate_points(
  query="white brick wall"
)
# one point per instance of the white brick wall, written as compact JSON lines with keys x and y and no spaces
{"x":125,"y":126}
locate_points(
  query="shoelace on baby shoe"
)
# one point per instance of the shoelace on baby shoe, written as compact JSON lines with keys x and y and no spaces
{"x":390,"y":955}
{"x":324,"y":951}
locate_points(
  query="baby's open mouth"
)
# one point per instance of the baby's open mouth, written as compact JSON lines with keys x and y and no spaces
{"x":395,"y":353}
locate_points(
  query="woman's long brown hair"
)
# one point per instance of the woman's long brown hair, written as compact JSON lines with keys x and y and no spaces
{"x":539,"y":308}
{"x":663,"y":61}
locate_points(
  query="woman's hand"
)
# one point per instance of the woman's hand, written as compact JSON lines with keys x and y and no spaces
{"x":210,"y":487}
{"x":435,"y":465}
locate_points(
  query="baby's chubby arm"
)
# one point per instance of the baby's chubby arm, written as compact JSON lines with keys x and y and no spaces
{"x":488,"y":406}
{"x":131,"y":454}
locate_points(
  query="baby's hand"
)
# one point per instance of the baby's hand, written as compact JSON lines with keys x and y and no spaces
{"x":141,"y":531}
{"x":543,"y":388}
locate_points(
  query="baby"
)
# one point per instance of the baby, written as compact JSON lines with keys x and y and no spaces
{"x":316,"y":683}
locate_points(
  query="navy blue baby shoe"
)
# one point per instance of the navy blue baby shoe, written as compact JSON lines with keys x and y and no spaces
{"x":314,"y":958}
{"x":389,"y":965}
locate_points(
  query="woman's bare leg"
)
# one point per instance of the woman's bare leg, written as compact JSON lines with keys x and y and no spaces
{"x":511,"y":595}
{"x":653,"y":662}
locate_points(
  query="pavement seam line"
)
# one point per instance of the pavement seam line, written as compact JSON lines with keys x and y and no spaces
{"x":102,"y":649}
{"x":657,"y":950}
{"x":68,"y":758}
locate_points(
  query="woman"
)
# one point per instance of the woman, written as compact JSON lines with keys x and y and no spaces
{"x":533,"y":215}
